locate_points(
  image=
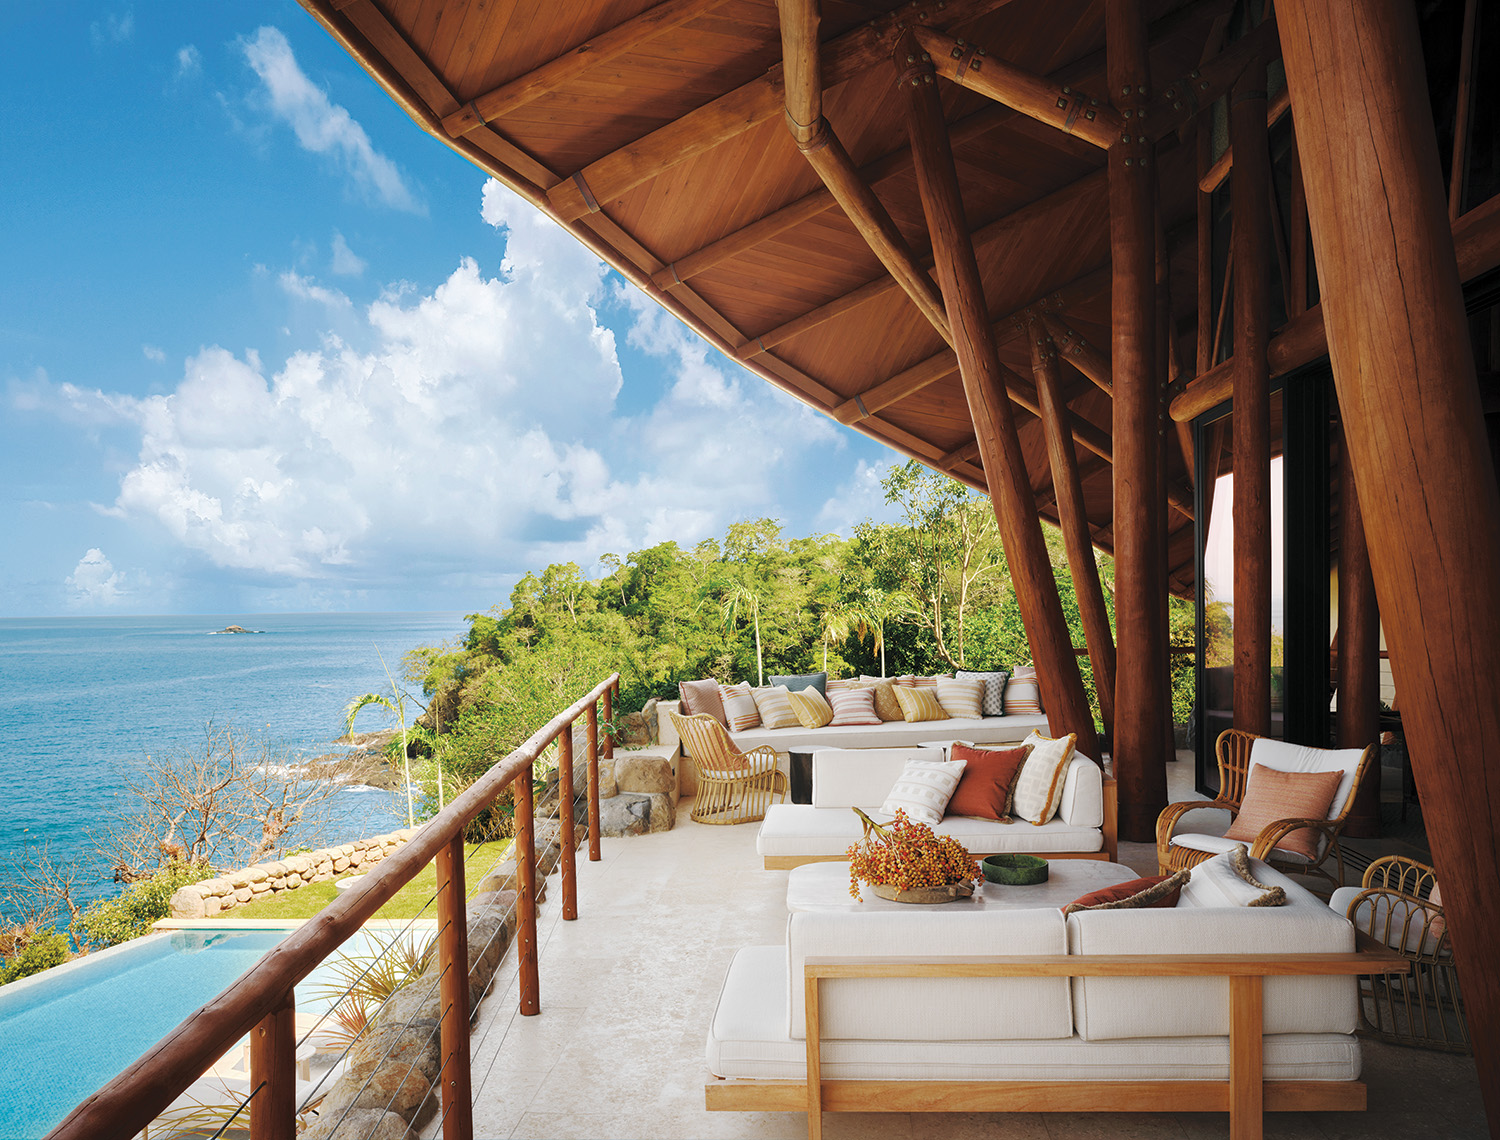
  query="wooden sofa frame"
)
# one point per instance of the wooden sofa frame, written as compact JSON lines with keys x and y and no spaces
{"x":1106,"y":854}
{"x":1246,"y":1096}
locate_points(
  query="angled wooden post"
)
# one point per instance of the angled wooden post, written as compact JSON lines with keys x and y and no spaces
{"x":1140,"y":703}
{"x":1252,"y":404}
{"x":984,"y":387}
{"x":273,"y":1075}
{"x":1409,"y":396}
{"x":1077,"y":538}
{"x":457,"y":1096}
{"x":1359,"y":650}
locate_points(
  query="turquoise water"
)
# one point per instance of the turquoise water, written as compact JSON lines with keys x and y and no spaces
{"x":82,"y":700}
{"x":67,"y":1034}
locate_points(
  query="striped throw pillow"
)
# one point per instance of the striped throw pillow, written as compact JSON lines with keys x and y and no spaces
{"x":960,"y":698}
{"x":994,"y":690}
{"x":739,"y":707}
{"x":853,"y":706}
{"x":1039,"y":788}
{"x":775,"y":707}
{"x":912,"y":681}
{"x":811,"y":707}
{"x":886,"y":707}
{"x":919,"y":704}
{"x":1023,"y":695}
{"x":924,"y":789}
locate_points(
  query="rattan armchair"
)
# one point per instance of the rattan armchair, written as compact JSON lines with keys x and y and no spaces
{"x":1394,"y":905}
{"x":733,"y":786}
{"x":1178,"y":850}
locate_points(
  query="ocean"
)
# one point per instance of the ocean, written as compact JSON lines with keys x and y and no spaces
{"x":84,"y":700}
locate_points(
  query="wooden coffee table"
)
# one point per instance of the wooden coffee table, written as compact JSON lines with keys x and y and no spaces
{"x":825,"y":886}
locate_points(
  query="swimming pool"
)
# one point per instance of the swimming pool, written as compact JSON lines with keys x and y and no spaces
{"x":67,"y":1032}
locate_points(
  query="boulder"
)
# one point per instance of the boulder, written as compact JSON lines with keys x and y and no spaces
{"x":396,"y":1066}
{"x":186,"y":902}
{"x":417,"y":1003}
{"x":628,"y":813}
{"x":645,"y":774}
{"x":637,"y":730}
{"x":370,"y":1123}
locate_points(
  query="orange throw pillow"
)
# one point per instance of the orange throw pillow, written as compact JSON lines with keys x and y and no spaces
{"x":1271,"y":794}
{"x":1124,"y":893}
{"x":988,"y":780}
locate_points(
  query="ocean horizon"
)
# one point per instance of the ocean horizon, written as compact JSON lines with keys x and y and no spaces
{"x":84,"y":700}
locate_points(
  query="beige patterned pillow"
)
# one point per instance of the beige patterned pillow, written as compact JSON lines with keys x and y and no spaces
{"x":887,"y":708}
{"x":739,"y":707}
{"x":775,"y":707}
{"x":963,"y":699}
{"x":924,"y":789}
{"x":1039,"y":788}
{"x":811,"y":707}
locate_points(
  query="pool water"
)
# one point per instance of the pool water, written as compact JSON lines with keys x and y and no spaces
{"x":67,"y":1033}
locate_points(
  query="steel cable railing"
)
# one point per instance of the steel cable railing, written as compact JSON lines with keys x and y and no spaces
{"x":260,"y":1002}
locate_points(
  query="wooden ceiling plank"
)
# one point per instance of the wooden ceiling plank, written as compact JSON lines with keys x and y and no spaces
{"x":745,"y":107}
{"x":1062,"y":106}
{"x":400,"y":54}
{"x":573,"y":63}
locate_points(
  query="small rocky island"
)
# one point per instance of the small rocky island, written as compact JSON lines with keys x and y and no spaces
{"x":234,"y":629}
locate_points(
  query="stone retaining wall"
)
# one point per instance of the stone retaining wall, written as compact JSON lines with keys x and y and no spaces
{"x":225,"y":892}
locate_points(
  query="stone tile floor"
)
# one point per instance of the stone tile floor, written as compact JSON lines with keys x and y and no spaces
{"x":628,"y":989}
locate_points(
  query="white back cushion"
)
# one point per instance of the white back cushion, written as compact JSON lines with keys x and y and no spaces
{"x":929,"y":1009}
{"x":1083,"y":794}
{"x":1286,"y":757}
{"x":860,"y":777}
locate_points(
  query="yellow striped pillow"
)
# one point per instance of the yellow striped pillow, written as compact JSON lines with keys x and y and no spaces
{"x":775,"y":708}
{"x":961,"y":698}
{"x":919,"y":704}
{"x":812,"y":710}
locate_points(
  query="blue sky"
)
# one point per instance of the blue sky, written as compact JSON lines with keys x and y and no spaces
{"x":264,"y":345}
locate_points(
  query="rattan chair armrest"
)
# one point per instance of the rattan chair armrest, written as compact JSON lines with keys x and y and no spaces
{"x":1274,"y":833}
{"x":1166,"y":822}
{"x":1430,"y":911}
{"x":764,"y":751}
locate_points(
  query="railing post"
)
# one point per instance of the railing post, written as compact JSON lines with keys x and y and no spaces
{"x":594,"y":855}
{"x":273,"y":1072}
{"x":609,"y":715}
{"x":453,"y":961}
{"x":526,"y":902}
{"x":565,"y":805}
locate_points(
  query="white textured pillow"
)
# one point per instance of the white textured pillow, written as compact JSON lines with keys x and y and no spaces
{"x":924,"y":789}
{"x":775,"y":707}
{"x":1023,"y":695}
{"x":961,"y":698}
{"x":994,"y":689}
{"x":1040,"y":785}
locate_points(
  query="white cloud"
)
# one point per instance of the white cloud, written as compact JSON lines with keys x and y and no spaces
{"x":304,"y":288}
{"x":95,"y":582}
{"x":152,"y":353}
{"x":345,"y":262}
{"x":321,"y":126}
{"x":113,"y":29}
{"x":189,"y":61}
{"x":858,"y":498}
{"x":471,"y":432}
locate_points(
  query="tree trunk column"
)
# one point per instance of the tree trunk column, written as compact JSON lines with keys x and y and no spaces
{"x":1077,"y":540}
{"x":989,"y":406}
{"x":1404,"y":368}
{"x":1140,"y":703}
{"x":1359,"y":651}
{"x":1252,"y":403}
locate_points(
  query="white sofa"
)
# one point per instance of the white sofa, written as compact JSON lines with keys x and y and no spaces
{"x":793,"y":834}
{"x":902,"y":1018}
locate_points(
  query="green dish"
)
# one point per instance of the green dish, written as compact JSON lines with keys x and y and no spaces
{"x":1015,"y":870}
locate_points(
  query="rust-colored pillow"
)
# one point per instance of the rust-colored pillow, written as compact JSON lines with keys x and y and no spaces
{"x":988,"y":780}
{"x":1271,"y":794}
{"x":702,"y":697}
{"x":1152,"y":891}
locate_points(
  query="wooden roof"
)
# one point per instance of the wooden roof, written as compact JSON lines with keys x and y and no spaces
{"x":655,"y":132}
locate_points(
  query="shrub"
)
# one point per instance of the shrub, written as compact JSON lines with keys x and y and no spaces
{"x":41,"y":951}
{"x":131,"y":913}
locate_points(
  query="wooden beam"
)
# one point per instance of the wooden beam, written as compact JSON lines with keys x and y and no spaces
{"x":1060,"y":105}
{"x":1214,"y":176}
{"x":1252,"y":406}
{"x":1408,"y":393}
{"x":1358,"y":650}
{"x":984,"y":388}
{"x":1078,"y":539}
{"x":741,"y":110}
{"x":573,"y":63}
{"x":1140,"y":705}
{"x":1183,"y":98}
{"x":1077,"y":351}
{"x":1458,"y":168}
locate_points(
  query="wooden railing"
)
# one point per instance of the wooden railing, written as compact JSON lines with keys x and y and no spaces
{"x":260,"y":1002}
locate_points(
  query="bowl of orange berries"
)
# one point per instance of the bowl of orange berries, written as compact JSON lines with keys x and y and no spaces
{"x":908,"y":862}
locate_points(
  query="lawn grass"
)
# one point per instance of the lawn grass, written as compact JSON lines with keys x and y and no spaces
{"x":406,"y":903}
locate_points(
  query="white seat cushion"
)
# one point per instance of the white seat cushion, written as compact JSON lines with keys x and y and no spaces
{"x":801,"y":829}
{"x":1218,"y":845}
{"x":748,"y":1038}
